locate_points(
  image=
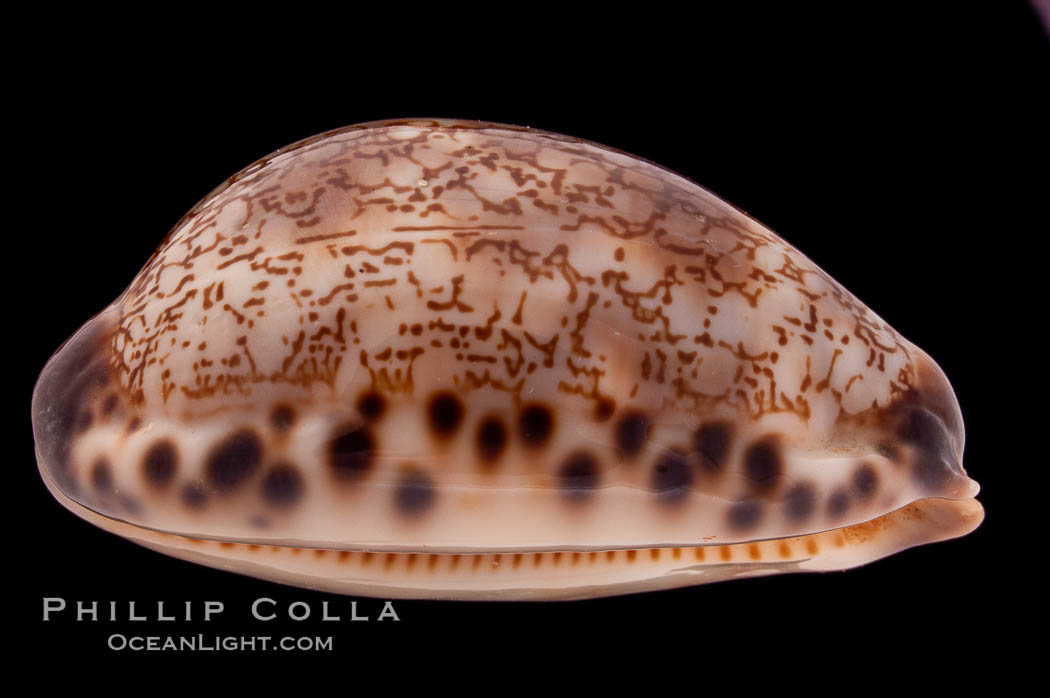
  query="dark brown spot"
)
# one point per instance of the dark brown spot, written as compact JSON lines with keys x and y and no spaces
{"x":800,"y":501}
{"x":371,"y":405}
{"x":109,"y":405}
{"x":536,"y":425}
{"x":492,"y":439}
{"x":351,"y":452}
{"x":865,"y":481}
{"x":838,"y":502}
{"x":282,"y":418}
{"x":193,"y":495}
{"x":102,"y":477}
{"x":935,"y":394}
{"x":713,"y":441}
{"x":414,"y":493}
{"x":604,"y":409}
{"x":671,"y":476}
{"x":925,"y":431}
{"x":283,"y":485}
{"x":446,"y":413}
{"x":745,"y":515}
{"x":935,"y":464}
{"x":234,"y":460}
{"x":762,"y":464}
{"x":159,"y":464}
{"x":578,"y":475}
{"x":632,"y":431}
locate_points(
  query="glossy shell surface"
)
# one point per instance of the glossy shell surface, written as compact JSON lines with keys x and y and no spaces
{"x":464,"y":360}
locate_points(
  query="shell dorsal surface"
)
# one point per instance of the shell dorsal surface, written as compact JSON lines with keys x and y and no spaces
{"x":468,"y":339}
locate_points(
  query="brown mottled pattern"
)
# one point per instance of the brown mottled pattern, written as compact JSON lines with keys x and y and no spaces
{"x":499,"y":255}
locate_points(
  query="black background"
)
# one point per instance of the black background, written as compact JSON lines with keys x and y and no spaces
{"x":889,"y":146}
